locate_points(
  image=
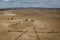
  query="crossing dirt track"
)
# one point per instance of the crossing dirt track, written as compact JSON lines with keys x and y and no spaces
{"x":30,"y":24}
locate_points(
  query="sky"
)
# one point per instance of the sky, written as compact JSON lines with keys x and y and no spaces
{"x":30,"y":3}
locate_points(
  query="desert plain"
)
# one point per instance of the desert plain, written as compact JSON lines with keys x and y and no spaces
{"x":30,"y":24}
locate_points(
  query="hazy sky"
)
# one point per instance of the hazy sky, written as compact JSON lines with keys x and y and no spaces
{"x":30,"y":3}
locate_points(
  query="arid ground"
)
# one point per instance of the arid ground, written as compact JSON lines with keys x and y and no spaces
{"x":30,"y":24}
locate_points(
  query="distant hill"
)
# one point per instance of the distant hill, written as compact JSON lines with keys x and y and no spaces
{"x":3,"y":9}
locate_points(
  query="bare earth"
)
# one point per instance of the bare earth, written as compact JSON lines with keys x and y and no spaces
{"x":45,"y":25}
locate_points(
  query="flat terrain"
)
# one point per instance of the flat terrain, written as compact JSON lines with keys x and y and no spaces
{"x":30,"y":24}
